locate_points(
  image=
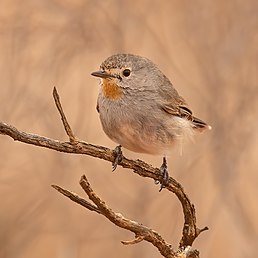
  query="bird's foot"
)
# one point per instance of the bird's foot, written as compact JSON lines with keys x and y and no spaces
{"x":164,"y":175}
{"x":118,"y":156}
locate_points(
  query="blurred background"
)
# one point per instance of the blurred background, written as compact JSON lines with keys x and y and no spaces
{"x":209,"y":51}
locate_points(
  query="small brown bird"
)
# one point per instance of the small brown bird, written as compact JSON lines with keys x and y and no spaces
{"x":141,"y":110}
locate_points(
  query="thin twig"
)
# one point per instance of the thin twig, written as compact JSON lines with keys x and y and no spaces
{"x":137,"y":240}
{"x":75,"y":198}
{"x":66,"y":125}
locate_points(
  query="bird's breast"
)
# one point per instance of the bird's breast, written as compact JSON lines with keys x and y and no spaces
{"x":111,"y":90}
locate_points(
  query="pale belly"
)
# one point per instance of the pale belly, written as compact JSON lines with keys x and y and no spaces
{"x":155,"y":139}
{"x":141,"y":141}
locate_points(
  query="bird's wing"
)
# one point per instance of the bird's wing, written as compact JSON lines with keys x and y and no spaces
{"x":179,"y":110}
{"x":184,"y":112}
{"x":173,"y":104}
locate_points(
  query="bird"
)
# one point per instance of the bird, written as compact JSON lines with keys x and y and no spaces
{"x":140,"y":109}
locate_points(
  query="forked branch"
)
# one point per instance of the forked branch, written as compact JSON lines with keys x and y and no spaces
{"x":76,"y":146}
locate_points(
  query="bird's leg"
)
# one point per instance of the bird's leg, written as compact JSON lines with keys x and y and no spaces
{"x":164,"y":174}
{"x":118,"y":156}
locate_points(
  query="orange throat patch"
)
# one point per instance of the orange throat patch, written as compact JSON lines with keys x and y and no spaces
{"x":111,"y":90}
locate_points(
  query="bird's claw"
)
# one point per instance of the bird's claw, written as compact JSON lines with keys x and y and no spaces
{"x":118,"y":156}
{"x":164,"y":181}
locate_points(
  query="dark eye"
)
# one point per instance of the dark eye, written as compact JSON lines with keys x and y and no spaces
{"x":126,"y":72}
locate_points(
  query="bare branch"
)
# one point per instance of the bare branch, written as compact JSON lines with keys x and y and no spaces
{"x":142,"y":232}
{"x":76,"y":146}
{"x":190,"y":231}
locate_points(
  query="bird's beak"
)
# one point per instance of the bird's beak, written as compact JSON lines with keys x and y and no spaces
{"x":102,"y":74}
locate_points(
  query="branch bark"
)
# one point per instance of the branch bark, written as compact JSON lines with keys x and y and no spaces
{"x":141,"y":232}
{"x":76,"y":146}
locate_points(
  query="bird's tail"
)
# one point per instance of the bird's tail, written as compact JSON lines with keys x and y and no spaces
{"x":199,"y":125}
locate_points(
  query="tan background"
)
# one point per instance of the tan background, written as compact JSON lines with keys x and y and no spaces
{"x":207,"y":48}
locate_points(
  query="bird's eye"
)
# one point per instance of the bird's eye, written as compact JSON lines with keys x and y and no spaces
{"x":126,"y":72}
